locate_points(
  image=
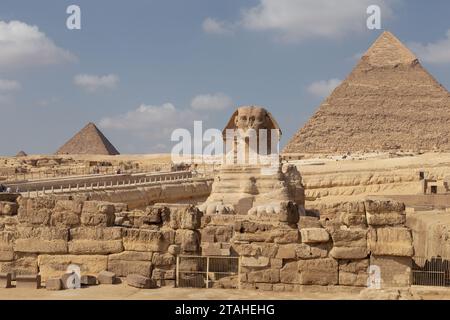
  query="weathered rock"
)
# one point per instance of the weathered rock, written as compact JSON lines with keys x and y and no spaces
{"x":318,"y":271}
{"x":174,"y":249}
{"x":95,"y":240}
{"x":36,"y":211}
{"x":131,"y":262}
{"x":309,"y":222}
{"x":97,"y":213}
{"x":385,"y":212}
{"x":139,"y":281}
{"x":349,"y":252}
{"x":288,"y":212}
{"x":56,"y":265}
{"x":350,"y":237}
{"x":6,"y":246}
{"x":286,"y":235}
{"x":314,"y":235}
{"x":393,"y":241}
{"x":22,"y":265}
{"x":311,"y":251}
{"x":163,"y":259}
{"x":289,"y":273}
{"x":255,"y":261}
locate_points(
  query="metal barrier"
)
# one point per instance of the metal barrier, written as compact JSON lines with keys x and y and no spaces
{"x":208,"y":272}
{"x":431,"y":272}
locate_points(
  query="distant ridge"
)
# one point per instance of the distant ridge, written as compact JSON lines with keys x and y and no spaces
{"x":90,"y":140}
{"x":388,"y":102}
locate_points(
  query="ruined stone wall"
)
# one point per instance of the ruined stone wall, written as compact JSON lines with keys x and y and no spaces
{"x":278,"y":251}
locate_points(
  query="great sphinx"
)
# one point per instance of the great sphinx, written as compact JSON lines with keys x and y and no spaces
{"x":251,"y":179}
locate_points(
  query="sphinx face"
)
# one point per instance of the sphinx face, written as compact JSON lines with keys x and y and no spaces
{"x":251,"y":118}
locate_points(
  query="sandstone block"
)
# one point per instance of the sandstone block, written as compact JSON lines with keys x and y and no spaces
{"x":53,"y":284}
{"x":106,"y":277}
{"x":139,"y":281}
{"x":391,"y":241}
{"x":314,"y":235}
{"x":318,"y":271}
{"x":56,"y":265}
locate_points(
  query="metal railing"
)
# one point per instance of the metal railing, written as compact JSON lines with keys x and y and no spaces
{"x":208,"y":272}
{"x":434,"y":271}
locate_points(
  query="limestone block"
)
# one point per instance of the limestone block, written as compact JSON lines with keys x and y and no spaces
{"x":53,"y":284}
{"x":97,"y":213}
{"x":354,"y":214}
{"x":349,"y":237}
{"x":139,"y":281}
{"x":106,"y":277}
{"x":8,"y":208}
{"x":286,"y":235}
{"x":349,"y":252}
{"x":174,"y":249}
{"x":265,"y":276}
{"x":41,"y":239}
{"x":88,"y":280}
{"x":6,"y":246}
{"x":391,"y":241}
{"x":309,"y":222}
{"x":215,"y":249}
{"x":288,"y":212}
{"x":56,"y":265}
{"x":256,"y":249}
{"x":95,"y":240}
{"x":189,"y":240}
{"x":22,"y":265}
{"x":287,"y":251}
{"x":73,"y":206}
{"x":255,"y":261}
{"x":311,"y":251}
{"x":163,"y":259}
{"x":217,"y":233}
{"x":129,"y":262}
{"x":314,"y":235}
{"x":353,"y":272}
{"x":145,"y":240}
{"x":36,"y":211}
{"x":318,"y":271}
{"x":382,"y":212}
{"x":289,"y":273}
{"x":191,"y":218}
{"x":394,"y":271}
{"x":163,"y":274}
{"x":247,"y":226}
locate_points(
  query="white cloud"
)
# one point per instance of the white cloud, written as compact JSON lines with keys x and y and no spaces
{"x":24,"y":45}
{"x":217,"y":101}
{"x":92,"y":83}
{"x":323,"y":88}
{"x":296,"y":20}
{"x":9,"y":85}
{"x":435,"y":52}
{"x":213,"y":26}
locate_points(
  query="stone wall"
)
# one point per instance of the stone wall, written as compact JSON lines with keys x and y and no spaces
{"x":279,"y":251}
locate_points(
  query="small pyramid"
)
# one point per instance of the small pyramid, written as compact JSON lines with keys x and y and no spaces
{"x":90,"y":140}
{"x":21,"y":154}
{"x":388,"y":102}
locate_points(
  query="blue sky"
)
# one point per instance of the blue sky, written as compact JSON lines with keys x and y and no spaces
{"x":140,"y":69}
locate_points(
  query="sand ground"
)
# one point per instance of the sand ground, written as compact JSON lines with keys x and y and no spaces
{"x":125,"y":292}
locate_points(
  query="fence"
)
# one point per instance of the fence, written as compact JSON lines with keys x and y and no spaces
{"x":60,"y":187}
{"x":431,"y":272}
{"x":208,"y":272}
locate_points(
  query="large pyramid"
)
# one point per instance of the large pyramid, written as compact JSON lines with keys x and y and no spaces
{"x":90,"y":140}
{"x":388,"y":102}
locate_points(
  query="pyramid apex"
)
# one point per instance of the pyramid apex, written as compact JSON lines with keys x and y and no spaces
{"x":388,"y":50}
